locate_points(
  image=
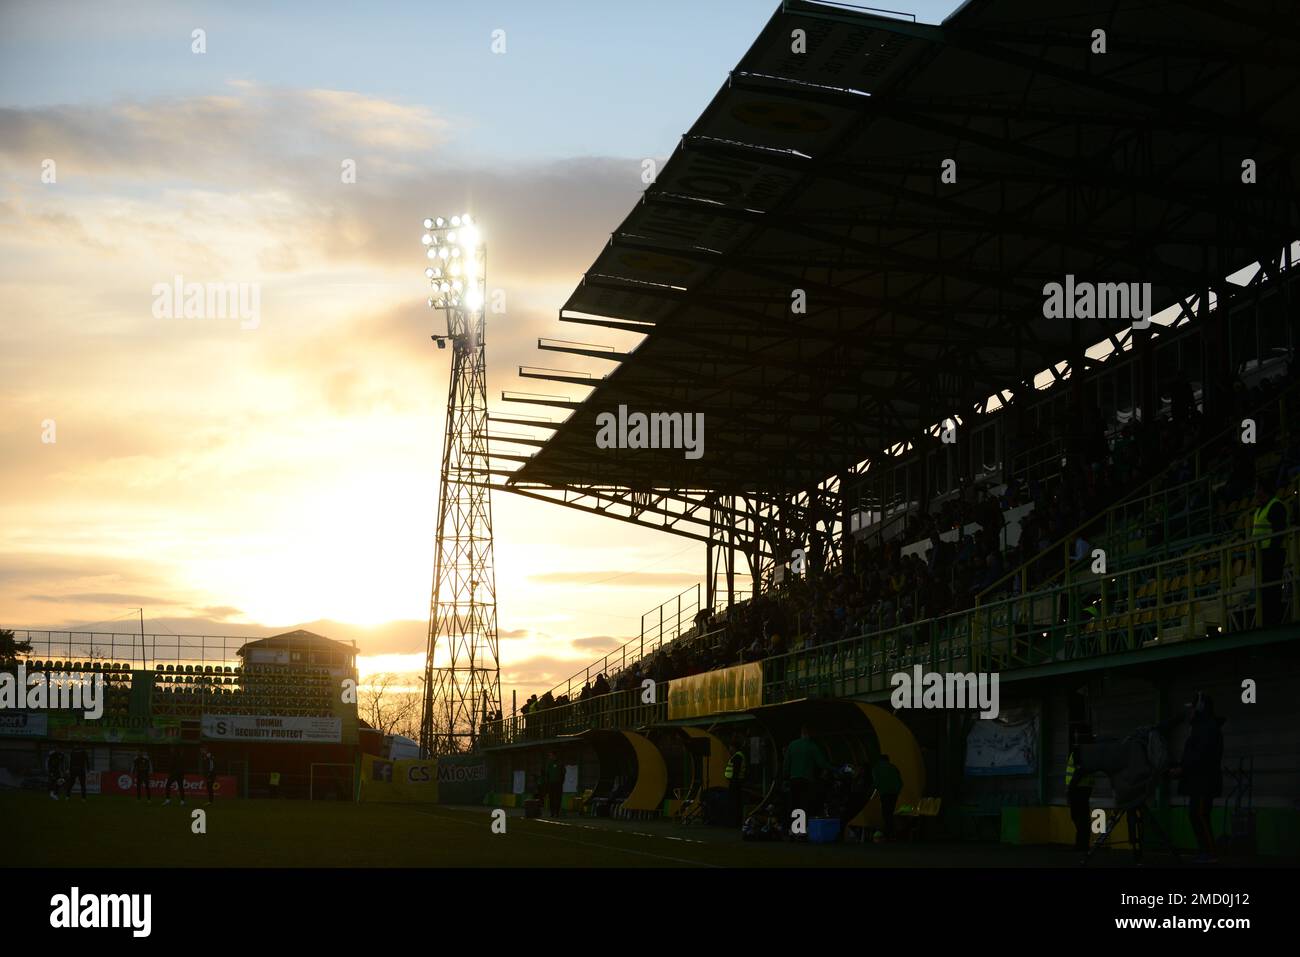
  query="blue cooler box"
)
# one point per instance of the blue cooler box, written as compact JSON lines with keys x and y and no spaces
{"x":823,"y":830}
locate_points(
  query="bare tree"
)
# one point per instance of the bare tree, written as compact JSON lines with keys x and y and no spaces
{"x":385,"y":702}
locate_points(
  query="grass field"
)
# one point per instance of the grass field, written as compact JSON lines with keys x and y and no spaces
{"x":121,"y":832}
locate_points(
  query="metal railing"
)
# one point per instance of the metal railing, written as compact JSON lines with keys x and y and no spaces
{"x":659,"y":626}
{"x":1198,"y":595}
{"x":1146,"y":489}
{"x":139,"y":651}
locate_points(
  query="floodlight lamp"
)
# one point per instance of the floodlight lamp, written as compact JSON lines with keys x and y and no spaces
{"x":457,"y":285}
{"x":469,"y":238}
{"x":442,"y":343}
{"x":427,"y":239}
{"x":475,"y":299}
{"x":430,"y":273}
{"x":451,"y":235}
{"x":443,"y":252}
{"x":455,"y":220}
{"x":440,"y":222}
{"x":434,"y":253}
{"x":455,"y":252}
{"x":428,"y":224}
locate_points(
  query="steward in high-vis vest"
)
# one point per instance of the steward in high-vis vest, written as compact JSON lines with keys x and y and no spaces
{"x":735,"y":774}
{"x":1078,"y":791}
{"x":1270,"y":522}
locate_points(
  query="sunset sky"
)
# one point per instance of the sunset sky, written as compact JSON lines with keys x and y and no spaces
{"x":242,"y":481}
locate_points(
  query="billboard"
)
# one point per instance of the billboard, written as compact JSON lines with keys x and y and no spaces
{"x":738,"y":688}
{"x":23,"y":724}
{"x":405,"y":780}
{"x":114,"y":730}
{"x":123,"y":782}
{"x":233,"y":727}
{"x":995,"y":747}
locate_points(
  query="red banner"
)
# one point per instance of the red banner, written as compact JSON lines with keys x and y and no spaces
{"x":123,"y":782}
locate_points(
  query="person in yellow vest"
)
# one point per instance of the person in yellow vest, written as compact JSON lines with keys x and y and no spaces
{"x":735,"y":772}
{"x":1270,"y":523}
{"x":1078,"y":792}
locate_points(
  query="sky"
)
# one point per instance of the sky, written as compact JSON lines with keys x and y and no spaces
{"x":248,"y":475}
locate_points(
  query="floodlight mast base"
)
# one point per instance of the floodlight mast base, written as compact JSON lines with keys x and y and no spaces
{"x":462,"y":676}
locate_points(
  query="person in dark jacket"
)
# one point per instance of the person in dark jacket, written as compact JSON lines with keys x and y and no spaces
{"x":208,"y":765}
{"x":1200,"y":772}
{"x":175,"y":774}
{"x":54,"y":767}
{"x":142,"y":768}
{"x":553,"y":784}
{"x":77,"y":766}
{"x":888,"y":781}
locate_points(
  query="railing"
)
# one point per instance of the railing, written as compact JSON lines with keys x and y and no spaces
{"x":616,"y":710}
{"x":140,"y":651}
{"x":1203,"y":594}
{"x":666,"y":623}
{"x":1145,"y":489}
{"x":1039,"y":462}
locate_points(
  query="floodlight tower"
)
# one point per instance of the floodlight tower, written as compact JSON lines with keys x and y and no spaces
{"x":462,"y":678}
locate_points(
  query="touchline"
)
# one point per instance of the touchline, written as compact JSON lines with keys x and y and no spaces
{"x":945,"y":691}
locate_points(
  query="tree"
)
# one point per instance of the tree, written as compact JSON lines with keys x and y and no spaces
{"x":11,"y":648}
{"x":389,"y":706}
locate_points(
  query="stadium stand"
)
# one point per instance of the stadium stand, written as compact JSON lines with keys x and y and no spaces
{"x":831,"y":430}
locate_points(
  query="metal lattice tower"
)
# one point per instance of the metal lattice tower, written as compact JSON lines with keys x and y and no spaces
{"x":462,"y":680}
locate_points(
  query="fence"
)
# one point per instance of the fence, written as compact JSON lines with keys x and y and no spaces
{"x":1202,"y":594}
{"x":139,"y":651}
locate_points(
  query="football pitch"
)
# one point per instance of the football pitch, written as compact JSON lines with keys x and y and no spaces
{"x":121,"y":832}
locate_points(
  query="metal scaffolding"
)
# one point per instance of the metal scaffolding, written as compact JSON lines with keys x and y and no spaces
{"x":462,"y":682}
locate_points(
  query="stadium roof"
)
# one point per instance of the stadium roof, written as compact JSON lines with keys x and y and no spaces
{"x":298,"y":640}
{"x":821,"y":171}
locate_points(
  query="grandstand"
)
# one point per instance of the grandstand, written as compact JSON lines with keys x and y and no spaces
{"x":269,"y":710}
{"x":909,"y":461}
{"x":946,"y":458}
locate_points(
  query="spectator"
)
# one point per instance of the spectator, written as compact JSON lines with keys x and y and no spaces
{"x":1200,"y":772}
{"x":805,"y":762}
{"x":888,"y":783}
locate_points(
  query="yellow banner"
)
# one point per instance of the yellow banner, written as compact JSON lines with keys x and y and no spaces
{"x":738,"y":688}
{"x":407,"y":780}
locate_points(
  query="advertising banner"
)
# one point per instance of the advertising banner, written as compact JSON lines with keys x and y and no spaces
{"x":738,"y":688}
{"x":233,"y":727}
{"x":123,"y":782}
{"x":106,"y":730}
{"x":23,"y":724}
{"x":462,"y":779}
{"x":994,"y":747}
{"x":407,"y":780}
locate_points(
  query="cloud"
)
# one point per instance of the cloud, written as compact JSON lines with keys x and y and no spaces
{"x":599,"y":643}
{"x":628,"y":579}
{"x":221,"y":612}
{"x":104,"y":598}
{"x":250,"y":133}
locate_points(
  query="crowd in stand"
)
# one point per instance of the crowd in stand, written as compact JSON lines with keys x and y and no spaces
{"x":877,"y":587}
